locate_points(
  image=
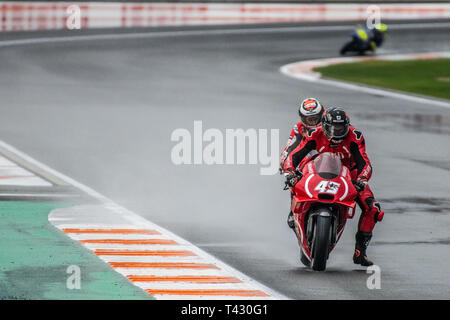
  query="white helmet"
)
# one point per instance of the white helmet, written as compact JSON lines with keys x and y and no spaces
{"x":310,"y":112}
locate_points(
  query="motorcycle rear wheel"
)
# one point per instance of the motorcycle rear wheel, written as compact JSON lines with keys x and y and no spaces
{"x":346,"y":47}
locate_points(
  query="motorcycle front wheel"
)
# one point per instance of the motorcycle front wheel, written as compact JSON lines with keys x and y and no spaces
{"x":346,"y":47}
{"x":321,"y":242}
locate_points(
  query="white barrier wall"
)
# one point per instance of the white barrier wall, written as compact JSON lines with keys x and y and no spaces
{"x":51,"y":15}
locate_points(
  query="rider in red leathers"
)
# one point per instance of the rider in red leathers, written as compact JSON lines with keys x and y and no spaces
{"x":310,"y":112}
{"x":338,"y":136}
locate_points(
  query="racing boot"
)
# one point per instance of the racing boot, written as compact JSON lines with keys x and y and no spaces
{"x":290,"y":220}
{"x":362,"y":241}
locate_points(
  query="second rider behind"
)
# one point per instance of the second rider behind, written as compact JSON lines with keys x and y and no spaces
{"x":310,"y":112}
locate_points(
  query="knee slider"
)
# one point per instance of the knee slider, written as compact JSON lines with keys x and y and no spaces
{"x":380,"y":213}
{"x":375,"y":208}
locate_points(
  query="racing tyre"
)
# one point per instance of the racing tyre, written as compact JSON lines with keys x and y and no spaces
{"x":346,"y":48}
{"x":321,"y":243}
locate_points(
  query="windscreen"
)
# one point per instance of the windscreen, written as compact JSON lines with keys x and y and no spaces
{"x":328,"y":165}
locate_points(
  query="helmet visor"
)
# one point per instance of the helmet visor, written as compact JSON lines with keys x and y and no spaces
{"x":337,"y":131}
{"x":311,"y":121}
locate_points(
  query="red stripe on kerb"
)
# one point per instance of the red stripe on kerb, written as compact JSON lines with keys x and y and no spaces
{"x":15,"y":177}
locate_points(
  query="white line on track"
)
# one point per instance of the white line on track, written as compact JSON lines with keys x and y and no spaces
{"x":117,"y":236}
{"x":150,"y":259}
{"x":184,"y":286}
{"x":168,"y":272}
{"x":38,"y":195}
{"x":95,"y":246}
{"x":12,"y":174}
{"x":289,"y":70}
{"x":181,"y":33}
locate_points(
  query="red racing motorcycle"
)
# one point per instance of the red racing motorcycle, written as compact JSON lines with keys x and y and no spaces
{"x":322,"y":202}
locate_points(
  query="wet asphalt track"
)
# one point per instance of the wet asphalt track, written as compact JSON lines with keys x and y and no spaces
{"x":103,"y":111}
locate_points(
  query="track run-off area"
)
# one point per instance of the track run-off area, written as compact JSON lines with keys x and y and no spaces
{"x":100,"y":107}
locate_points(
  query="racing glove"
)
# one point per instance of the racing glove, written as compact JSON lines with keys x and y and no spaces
{"x":292,"y":178}
{"x":360,"y":184}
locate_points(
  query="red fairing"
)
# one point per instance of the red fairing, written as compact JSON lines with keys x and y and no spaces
{"x":325,"y":180}
{"x":312,"y":187}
